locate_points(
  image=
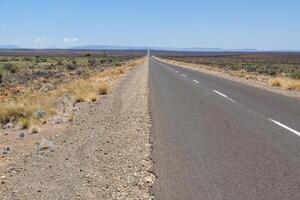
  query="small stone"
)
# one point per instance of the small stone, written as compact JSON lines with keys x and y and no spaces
{"x":150,"y":179}
{"x":8,"y":126}
{"x":40,"y":114}
{"x":46,"y":144}
{"x":21,"y":135}
{"x":57,"y":120}
{"x":5,"y":151}
{"x":47,"y":87}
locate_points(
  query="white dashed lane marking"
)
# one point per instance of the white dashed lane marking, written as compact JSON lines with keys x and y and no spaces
{"x":225,"y":96}
{"x":285,"y":127}
{"x":196,"y":81}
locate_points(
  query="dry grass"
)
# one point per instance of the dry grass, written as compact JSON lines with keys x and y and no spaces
{"x":286,"y":83}
{"x":275,"y":82}
{"x":25,"y":123}
{"x":12,"y":110}
{"x":21,"y":109}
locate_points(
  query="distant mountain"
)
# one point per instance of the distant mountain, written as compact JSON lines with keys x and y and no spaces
{"x":103,"y":47}
{"x":9,"y":47}
{"x":203,"y":49}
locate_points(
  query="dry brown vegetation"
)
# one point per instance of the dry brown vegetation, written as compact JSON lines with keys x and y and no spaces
{"x":286,"y":83}
{"x":83,"y":85}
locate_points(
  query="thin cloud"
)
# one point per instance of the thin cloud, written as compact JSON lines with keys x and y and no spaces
{"x":4,"y":27}
{"x":40,"y":39}
{"x":70,"y":39}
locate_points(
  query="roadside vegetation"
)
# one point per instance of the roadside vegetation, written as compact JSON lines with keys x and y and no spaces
{"x":35,"y":88}
{"x":276,"y":69}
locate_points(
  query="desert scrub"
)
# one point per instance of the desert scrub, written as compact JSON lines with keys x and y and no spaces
{"x":13,"y":111}
{"x":25,"y":123}
{"x":296,"y":75}
{"x":286,"y":83}
{"x":21,"y":108}
{"x":1,"y":76}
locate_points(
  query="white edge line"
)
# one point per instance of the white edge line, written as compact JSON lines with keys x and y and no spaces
{"x":225,"y":96}
{"x":286,"y":127}
{"x":196,"y":81}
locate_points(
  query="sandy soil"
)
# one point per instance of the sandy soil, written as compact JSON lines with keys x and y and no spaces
{"x":103,"y":154}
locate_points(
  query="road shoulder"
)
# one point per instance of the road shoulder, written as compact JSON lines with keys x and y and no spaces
{"x":103,"y":154}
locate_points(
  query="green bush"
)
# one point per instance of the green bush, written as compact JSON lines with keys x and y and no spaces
{"x":296,"y":75}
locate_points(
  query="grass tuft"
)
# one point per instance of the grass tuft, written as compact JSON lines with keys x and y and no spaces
{"x":25,"y":123}
{"x":286,"y":83}
{"x":12,"y":111}
{"x":275,"y":82}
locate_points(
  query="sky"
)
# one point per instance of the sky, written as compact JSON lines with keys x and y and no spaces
{"x":231,"y":24}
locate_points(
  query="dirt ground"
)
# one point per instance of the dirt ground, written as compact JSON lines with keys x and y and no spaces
{"x":103,"y":154}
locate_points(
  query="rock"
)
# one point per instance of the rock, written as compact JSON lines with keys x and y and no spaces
{"x":57,"y":120}
{"x":34,"y":129}
{"x":21,"y":135}
{"x":5,"y":151}
{"x":64,"y":103}
{"x":40,"y":114}
{"x":47,"y":87}
{"x":8,"y":126}
{"x":150,"y":179}
{"x":46,"y":144}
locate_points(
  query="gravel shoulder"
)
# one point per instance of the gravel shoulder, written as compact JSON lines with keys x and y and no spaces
{"x":103,"y":154}
{"x":244,"y":80}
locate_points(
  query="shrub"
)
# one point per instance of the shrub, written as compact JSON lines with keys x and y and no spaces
{"x":296,"y":75}
{"x":12,"y":111}
{"x":24,"y":123}
{"x":59,"y":63}
{"x":272,"y":72}
{"x":10,"y":67}
{"x":1,"y":76}
{"x":286,"y":83}
{"x":102,"y":61}
{"x":92,"y":61}
{"x":72,"y":66}
{"x":275,"y":82}
{"x":234,"y":67}
{"x":103,"y":88}
{"x":251,"y":69}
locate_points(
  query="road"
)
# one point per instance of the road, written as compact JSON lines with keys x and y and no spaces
{"x":218,"y":139}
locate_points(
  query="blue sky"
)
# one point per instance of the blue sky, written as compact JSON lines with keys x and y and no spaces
{"x":264,"y":25}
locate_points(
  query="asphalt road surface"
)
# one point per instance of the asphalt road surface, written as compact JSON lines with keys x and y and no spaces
{"x":218,"y":139}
